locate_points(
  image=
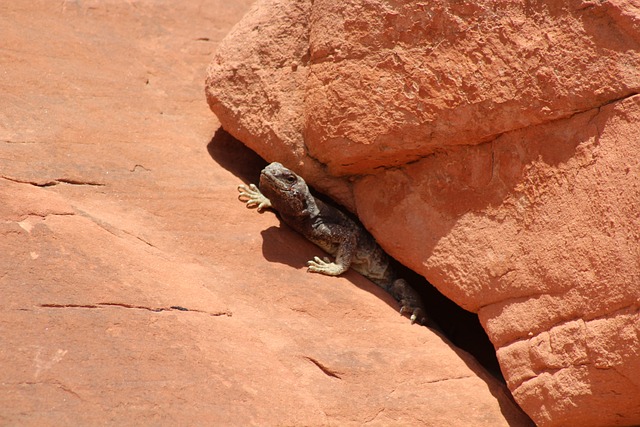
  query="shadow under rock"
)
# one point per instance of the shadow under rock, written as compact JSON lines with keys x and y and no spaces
{"x":281,"y":245}
{"x":286,"y":246}
{"x":235,"y":157}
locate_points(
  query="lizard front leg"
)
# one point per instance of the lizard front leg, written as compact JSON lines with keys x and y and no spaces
{"x":344,"y":256}
{"x":253,"y":197}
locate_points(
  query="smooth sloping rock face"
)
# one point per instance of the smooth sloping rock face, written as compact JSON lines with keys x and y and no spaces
{"x":492,"y":148}
{"x":137,"y":290}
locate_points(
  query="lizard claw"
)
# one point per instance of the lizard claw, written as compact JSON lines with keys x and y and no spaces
{"x":325,"y":266}
{"x":253,"y":197}
{"x":417,"y":314}
{"x":410,"y":301}
{"x":418,"y":317}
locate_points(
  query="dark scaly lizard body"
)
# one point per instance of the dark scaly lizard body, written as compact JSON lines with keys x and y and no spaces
{"x":333,"y":231}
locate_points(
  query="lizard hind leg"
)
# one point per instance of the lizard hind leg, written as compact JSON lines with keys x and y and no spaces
{"x":410,"y":301}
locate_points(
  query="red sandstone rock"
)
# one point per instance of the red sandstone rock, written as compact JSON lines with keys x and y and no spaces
{"x":369,"y":84}
{"x":490,"y":147}
{"x":548,"y":239}
{"x":137,"y":290}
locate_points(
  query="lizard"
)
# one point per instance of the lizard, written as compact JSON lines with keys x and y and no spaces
{"x":333,"y":231}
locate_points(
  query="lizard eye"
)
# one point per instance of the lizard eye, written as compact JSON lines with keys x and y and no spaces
{"x":290,"y":179}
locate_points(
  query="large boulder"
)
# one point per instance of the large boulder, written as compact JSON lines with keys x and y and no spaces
{"x":489,"y":146}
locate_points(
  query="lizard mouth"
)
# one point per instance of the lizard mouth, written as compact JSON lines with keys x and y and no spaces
{"x":270,"y":181}
{"x":266,"y":176}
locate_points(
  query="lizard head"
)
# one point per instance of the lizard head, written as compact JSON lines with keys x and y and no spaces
{"x":287,"y":191}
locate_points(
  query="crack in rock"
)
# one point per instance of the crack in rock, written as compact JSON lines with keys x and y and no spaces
{"x":102,"y":305}
{"x":463,"y":377}
{"x":139,"y":168}
{"x":327,"y":371}
{"x":51,"y":183}
{"x":72,"y":181}
{"x":48,"y":214}
{"x":115,"y":231}
{"x":373,"y":418}
{"x":139,"y":238}
{"x":632,"y":308}
{"x":54,"y":383}
{"x":492,"y":138}
{"x":9,"y":141}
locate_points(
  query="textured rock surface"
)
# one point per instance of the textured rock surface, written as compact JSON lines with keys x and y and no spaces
{"x":539,"y":234}
{"x":137,"y":290}
{"x":373,"y":84}
{"x":492,"y":148}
